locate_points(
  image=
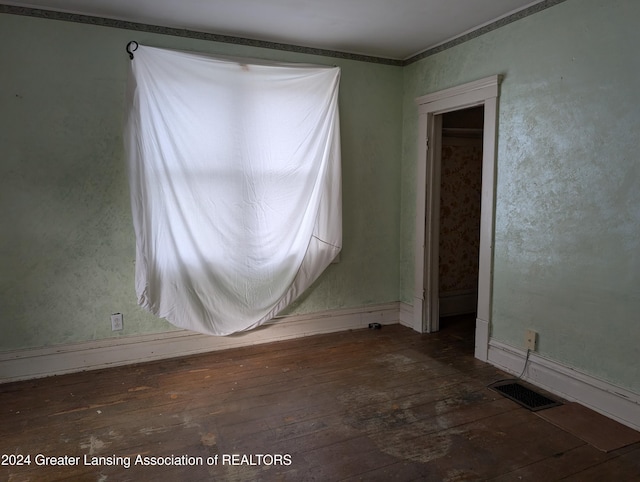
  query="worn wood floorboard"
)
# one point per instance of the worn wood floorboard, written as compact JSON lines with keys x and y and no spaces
{"x":371,"y":405}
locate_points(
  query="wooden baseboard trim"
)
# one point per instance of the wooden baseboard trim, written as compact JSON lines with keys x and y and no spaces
{"x":568,"y":383}
{"x":42,"y":362}
{"x":458,"y":302}
{"x":406,"y":315}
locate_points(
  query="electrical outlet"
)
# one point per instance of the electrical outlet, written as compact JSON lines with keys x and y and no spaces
{"x":116,"y":322}
{"x":530,"y":340}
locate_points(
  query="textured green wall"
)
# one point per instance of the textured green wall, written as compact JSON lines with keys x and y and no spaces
{"x":67,"y":244}
{"x":567,"y":235}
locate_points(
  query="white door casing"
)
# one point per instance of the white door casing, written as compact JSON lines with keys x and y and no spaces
{"x":426,"y":298}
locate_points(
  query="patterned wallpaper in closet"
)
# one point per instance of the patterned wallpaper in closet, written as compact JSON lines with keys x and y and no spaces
{"x":461,"y":183}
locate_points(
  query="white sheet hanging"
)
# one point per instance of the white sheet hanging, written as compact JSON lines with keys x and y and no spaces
{"x":234,"y":171}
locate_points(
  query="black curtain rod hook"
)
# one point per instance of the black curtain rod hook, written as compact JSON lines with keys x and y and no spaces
{"x":132,"y":47}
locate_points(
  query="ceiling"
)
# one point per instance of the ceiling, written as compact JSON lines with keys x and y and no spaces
{"x":392,"y":29}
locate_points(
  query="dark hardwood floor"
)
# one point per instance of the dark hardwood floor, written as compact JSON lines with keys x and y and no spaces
{"x":386,"y":404}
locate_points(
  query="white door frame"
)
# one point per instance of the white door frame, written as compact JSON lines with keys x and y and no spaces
{"x":426,"y":298}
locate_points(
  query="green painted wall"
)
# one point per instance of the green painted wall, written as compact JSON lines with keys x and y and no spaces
{"x":67,"y":243}
{"x":567,"y":234}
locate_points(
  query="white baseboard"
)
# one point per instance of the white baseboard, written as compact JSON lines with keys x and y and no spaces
{"x":570,"y":384}
{"x":57,"y":360}
{"x":458,"y":302}
{"x":481,"y":340}
{"x":406,"y":315}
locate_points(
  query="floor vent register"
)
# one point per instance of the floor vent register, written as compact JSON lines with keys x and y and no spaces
{"x":526,"y":397}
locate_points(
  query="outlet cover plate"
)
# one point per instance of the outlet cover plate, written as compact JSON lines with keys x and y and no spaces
{"x":116,"y":322}
{"x":530,"y":340}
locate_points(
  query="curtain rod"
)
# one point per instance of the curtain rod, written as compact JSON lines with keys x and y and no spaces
{"x":132,"y":46}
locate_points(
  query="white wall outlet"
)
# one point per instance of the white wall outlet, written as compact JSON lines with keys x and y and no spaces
{"x":530,"y":340}
{"x":116,"y":322}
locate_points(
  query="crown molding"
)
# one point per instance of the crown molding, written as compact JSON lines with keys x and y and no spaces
{"x":212,"y":37}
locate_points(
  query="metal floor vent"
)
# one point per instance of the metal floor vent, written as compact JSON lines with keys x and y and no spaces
{"x":526,"y":397}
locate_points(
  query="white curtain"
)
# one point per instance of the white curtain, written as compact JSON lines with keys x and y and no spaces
{"x":234,"y":171}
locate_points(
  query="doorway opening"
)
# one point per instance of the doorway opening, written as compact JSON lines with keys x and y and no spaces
{"x":459,"y":224}
{"x":432,"y":109}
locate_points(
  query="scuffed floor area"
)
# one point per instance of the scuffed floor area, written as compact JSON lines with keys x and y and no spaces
{"x":386,"y":404}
